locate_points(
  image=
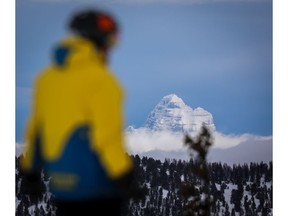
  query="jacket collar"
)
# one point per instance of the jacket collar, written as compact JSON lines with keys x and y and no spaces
{"x":76,"y":50}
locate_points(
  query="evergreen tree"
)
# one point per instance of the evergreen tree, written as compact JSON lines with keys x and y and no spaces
{"x":199,"y":205}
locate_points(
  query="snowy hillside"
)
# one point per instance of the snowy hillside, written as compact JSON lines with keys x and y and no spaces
{"x":245,"y":152}
{"x":237,"y":190}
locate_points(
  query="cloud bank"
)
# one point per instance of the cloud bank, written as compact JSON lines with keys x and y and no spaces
{"x":229,"y":149}
{"x":142,"y":140}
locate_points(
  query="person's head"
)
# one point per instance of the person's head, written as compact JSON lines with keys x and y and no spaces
{"x":98,"y":26}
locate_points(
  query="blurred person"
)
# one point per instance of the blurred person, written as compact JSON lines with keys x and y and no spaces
{"x":75,"y":131}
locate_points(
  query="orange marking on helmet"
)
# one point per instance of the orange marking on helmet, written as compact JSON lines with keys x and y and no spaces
{"x":105,"y":23}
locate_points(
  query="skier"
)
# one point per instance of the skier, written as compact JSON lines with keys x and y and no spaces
{"x":75,"y":131}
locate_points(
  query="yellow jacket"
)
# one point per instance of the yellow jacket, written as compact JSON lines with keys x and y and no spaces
{"x":77,"y":90}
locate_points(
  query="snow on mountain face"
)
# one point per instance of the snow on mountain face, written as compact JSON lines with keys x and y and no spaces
{"x":172,"y":114}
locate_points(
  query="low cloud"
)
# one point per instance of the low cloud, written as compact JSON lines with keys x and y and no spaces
{"x":142,"y":140}
{"x":165,"y":144}
{"x":19,"y":149}
{"x":227,"y":141}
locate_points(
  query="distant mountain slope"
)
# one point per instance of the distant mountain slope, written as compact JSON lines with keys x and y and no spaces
{"x":245,"y":152}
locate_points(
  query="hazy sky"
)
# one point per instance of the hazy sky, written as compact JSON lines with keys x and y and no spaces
{"x":214,"y":54}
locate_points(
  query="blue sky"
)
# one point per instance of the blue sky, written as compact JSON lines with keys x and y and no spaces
{"x":216,"y":55}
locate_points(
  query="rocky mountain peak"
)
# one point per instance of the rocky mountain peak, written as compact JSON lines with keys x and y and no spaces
{"x":172,"y":114}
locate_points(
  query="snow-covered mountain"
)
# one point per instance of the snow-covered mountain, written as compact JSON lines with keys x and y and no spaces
{"x":172,"y":114}
{"x":161,"y":136}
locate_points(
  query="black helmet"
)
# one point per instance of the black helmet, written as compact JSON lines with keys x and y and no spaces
{"x":97,"y":26}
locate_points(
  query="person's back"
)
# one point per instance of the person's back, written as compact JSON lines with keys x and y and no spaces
{"x":75,"y":130}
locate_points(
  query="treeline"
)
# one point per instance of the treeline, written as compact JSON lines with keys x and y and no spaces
{"x":236,"y":190}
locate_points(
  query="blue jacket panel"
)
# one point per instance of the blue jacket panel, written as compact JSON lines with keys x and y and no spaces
{"x":78,"y":174}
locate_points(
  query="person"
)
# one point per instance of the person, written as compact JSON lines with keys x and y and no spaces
{"x":75,"y":131}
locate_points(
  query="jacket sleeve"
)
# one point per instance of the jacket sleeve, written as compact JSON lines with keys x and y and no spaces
{"x":107,"y":127}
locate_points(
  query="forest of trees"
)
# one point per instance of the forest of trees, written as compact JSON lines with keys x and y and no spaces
{"x":236,"y":190}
